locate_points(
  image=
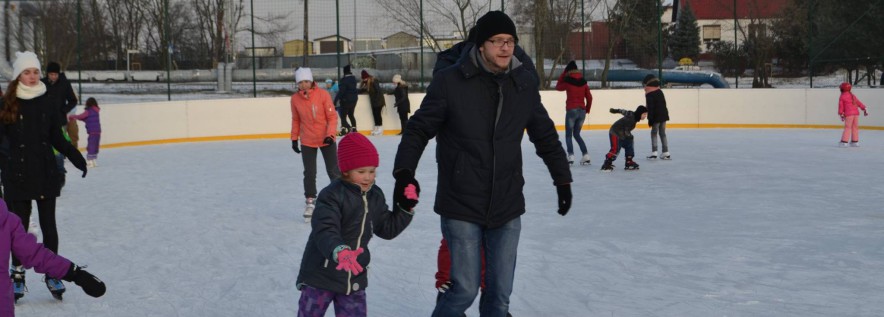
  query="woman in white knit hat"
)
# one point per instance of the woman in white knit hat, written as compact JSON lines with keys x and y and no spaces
{"x":402,"y":105}
{"x":28,"y":122}
{"x":314,"y":126}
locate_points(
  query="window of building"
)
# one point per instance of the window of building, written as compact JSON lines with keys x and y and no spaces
{"x":712,"y":33}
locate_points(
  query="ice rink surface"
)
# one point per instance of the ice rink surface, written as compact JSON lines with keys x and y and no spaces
{"x":758,"y":222}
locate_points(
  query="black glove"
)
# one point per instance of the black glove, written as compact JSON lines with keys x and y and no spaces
{"x":90,"y":284}
{"x":614,"y":110}
{"x":296,"y":147}
{"x":79,"y":163}
{"x":403,"y":179}
{"x":564,"y":192}
{"x":328,"y":140}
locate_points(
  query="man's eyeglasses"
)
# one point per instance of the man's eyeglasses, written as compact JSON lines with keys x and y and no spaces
{"x":502,"y":42}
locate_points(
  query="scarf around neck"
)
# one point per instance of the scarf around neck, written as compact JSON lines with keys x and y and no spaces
{"x":27,"y":93}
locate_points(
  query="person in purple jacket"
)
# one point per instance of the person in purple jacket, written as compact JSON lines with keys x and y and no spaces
{"x":93,"y":128}
{"x":14,"y":239}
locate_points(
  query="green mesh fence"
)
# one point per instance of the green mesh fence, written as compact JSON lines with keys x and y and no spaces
{"x":154,"y":50}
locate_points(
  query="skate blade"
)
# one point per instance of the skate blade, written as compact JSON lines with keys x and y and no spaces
{"x":585,"y":164}
{"x":58,"y":296}
{"x":307,"y":219}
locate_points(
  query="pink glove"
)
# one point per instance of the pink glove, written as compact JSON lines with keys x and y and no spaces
{"x":347,"y":261}
{"x":411,"y":192}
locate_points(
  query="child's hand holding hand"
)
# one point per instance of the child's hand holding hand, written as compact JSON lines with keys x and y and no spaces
{"x":347,"y":261}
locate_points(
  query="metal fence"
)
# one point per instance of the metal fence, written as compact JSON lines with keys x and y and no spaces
{"x":237,"y":48}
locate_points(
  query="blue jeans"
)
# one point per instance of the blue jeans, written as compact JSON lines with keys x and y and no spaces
{"x":574,"y":119}
{"x":466,"y":241}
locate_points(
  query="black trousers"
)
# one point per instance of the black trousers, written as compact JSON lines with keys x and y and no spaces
{"x":347,"y":109}
{"x":46,"y":214}
{"x":378,"y":118}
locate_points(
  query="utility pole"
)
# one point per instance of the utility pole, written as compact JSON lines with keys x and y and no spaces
{"x":736,"y":48}
{"x":306,"y":40}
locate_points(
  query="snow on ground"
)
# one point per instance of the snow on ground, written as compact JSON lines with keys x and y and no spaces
{"x":762,"y":222}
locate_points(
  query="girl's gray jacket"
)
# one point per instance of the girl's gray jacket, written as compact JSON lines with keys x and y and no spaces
{"x":345,"y":215}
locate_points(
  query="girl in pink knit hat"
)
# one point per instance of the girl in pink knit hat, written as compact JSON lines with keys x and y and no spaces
{"x":848,"y":109}
{"x":348,"y":213}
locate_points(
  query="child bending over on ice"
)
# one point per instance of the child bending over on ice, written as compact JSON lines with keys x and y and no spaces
{"x":348,"y":212}
{"x":620,"y":135}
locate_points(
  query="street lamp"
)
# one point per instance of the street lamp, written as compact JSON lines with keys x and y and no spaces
{"x":128,"y":64}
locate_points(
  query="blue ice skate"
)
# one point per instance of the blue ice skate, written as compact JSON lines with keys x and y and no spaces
{"x":55,"y":287}
{"x":18,"y":282}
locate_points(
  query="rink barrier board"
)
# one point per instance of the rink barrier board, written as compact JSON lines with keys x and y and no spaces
{"x":138,"y":124}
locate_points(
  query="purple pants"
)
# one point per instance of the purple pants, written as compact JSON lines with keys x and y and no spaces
{"x":92,"y":146}
{"x":314,"y":302}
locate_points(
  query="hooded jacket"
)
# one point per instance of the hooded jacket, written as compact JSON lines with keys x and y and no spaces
{"x":623,"y":127}
{"x":61,"y":95}
{"x":576,"y":90}
{"x":313,"y":117}
{"x":657,"y":111}
{"x":92,"y":119}
{"x":347,"y":91}
{"x":479,"y":120}
{"x":345,"y":215}
{"x":14,"y":239}
{"x":848,"y":104}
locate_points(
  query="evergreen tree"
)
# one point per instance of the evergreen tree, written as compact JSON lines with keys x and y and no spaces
{"x":685,"y":38}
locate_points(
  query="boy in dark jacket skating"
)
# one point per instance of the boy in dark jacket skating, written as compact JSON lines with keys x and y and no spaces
{"x":348,"y":212}
{"x":620,"y":135}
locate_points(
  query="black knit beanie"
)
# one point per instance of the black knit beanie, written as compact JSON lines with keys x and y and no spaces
{"x":651,"y":81}
{"x":639,"y":111}
{"x":53,"y":67}
{"x":347,"y":70}
{"x":571,"y":66}
{"x":491,"y":24}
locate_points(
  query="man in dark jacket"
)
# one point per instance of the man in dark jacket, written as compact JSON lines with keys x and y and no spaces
{"x":61,"y":95}
{"x":347,"y":95}
{"x":478,"y":110}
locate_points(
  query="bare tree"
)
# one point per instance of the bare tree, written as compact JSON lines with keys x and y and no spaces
{"x":217,"y":20}
{"x":126,"y":24}
{"x":459,"y":15}
{"x":272,"y":28}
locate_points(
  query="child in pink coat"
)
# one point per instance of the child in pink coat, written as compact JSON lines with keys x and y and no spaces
{"x":848,"y":109}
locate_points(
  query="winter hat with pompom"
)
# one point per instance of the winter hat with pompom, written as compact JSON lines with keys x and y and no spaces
{"x":355,"y":151}
{"x":24,"y":60}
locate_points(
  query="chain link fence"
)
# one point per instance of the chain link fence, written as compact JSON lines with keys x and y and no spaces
{"x":154,"y":50}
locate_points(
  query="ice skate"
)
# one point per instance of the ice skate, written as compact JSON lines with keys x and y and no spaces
{"x":608,"y":166}
{"x":665,"y":156}
{"x":308,"y":210}
{"x":854,"y":144}
{"x":842,"y":144}
{"x":344,"y":131}
{"x":55,"y":287}
{"x":18,"y":282}
{"x":630,"y":165}
{"x":570,"y":159}
{"x":90,"y":163}
{"x":584,"y":160}
{"x":653,"y":156}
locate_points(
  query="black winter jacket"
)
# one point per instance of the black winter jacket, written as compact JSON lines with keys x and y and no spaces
{"x":61,"y":96}
{"x":623,"y":127}
{"x":28,"y":170}
{"x":657,"y":111}
{"x":479,"y":120}
{"x":344,"y":215}
{"x":347,"y":91}
{"x":402,"y":103}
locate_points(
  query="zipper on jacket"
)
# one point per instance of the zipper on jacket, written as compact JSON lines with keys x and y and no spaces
{"x":494,"y":152}
{"x":359,"y":239}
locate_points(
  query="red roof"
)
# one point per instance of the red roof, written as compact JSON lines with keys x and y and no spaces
{"x":724,"y":9}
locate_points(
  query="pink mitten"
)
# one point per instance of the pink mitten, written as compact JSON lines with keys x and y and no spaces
{"x":347,"y":261}
{"x":411,"y":192}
